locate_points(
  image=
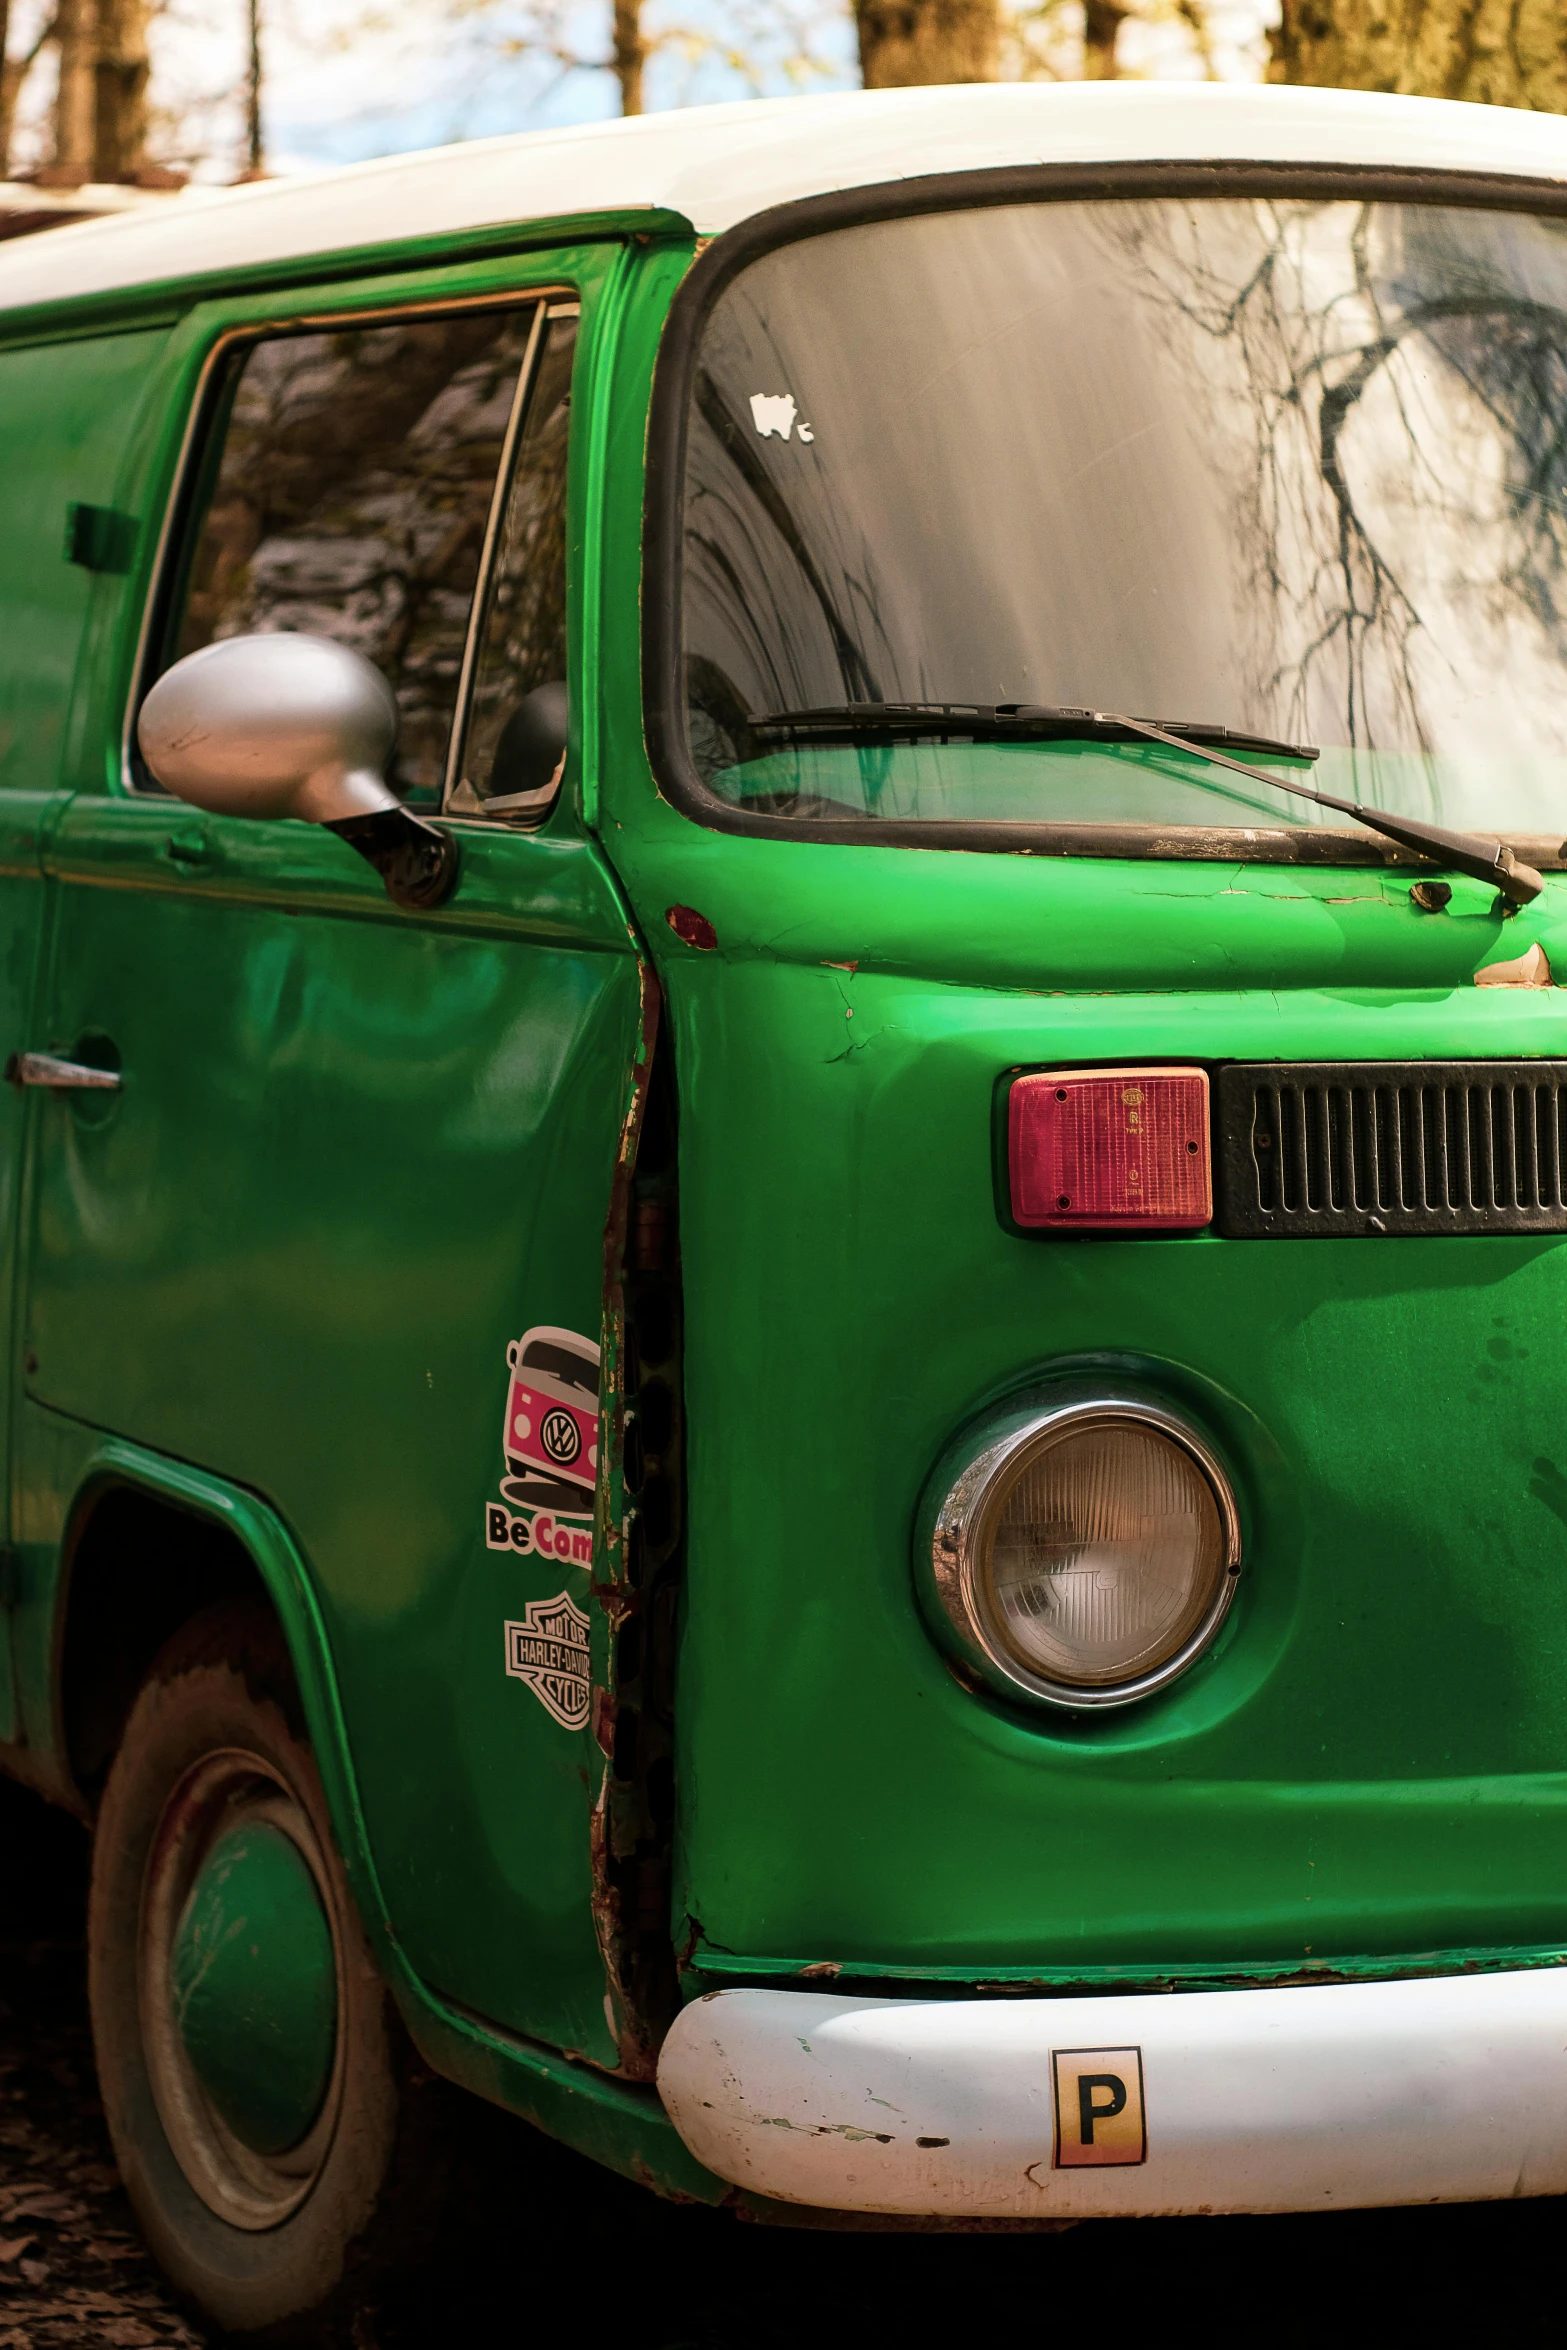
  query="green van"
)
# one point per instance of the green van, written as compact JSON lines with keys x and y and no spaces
{"x":747,"y":862}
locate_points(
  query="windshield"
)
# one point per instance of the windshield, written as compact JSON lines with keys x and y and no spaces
{"x":558,"y":1362}
{"x":1293,"y":467}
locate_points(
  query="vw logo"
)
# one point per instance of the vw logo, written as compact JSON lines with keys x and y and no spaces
{"x":562,"y":1437}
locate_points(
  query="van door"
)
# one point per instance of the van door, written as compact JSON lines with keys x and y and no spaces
{"x":21,"y":901}
{"x":65,"y":414}
{"x":354,"y":1184}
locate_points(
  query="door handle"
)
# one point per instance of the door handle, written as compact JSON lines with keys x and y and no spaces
{"x":60,"y":1076}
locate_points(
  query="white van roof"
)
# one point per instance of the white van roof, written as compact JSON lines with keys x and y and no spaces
{"x":716,"y":165}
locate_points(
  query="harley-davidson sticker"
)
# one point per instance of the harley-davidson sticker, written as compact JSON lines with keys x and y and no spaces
{"x":549,"y":1650}
{"x":549,"y":1440}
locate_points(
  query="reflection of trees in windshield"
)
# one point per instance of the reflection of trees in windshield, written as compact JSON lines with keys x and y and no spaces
{"x":730,"y":433}
{"x":782,"y":577}
{"x":1435,"y":422}
{"x":1298,"y":467}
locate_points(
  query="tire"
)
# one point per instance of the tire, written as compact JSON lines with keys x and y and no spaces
{"x":214,"y":1752}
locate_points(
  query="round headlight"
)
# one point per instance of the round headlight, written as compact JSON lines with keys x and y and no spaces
{"x":1086,"y":1552}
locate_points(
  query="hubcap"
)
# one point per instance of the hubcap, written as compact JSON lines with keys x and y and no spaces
{"x":240,"y":1987}
{"x":255,"y":1995}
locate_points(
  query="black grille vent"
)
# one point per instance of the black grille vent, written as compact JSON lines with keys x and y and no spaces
{"x":1310,"y":1148}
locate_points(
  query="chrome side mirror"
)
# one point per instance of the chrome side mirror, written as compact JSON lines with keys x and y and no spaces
{"x":292,"y":725}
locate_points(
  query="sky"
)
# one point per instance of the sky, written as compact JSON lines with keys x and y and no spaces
{"x":347,"y":79}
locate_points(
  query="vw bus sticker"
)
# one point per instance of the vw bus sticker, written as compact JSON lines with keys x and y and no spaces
{"x":551,"y":1433}
{"x":549,"y":1441}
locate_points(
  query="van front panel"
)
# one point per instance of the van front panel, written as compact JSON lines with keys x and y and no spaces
{"x":1369,"y":1761}
{"x":944,"y":503}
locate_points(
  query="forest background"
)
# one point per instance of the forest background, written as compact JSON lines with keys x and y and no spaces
{"x":150,"y":92}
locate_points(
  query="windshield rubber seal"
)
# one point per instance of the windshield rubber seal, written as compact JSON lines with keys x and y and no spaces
{"x":715,"y":268}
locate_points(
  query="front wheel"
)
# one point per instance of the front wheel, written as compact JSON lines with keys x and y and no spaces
{"x":246,"y":2056}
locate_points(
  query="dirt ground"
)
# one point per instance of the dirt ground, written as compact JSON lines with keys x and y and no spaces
{"x":590,"y":2255}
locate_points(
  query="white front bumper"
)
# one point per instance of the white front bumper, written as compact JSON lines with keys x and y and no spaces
{"x":1447,"y":2089}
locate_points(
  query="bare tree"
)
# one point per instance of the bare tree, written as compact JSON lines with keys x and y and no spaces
{"x":1072,"y":40}
{"x":1498,"y":52}
{"x":99,"y":116}
{"x":630,"y":53}
{"x":1102,"y":22}
{"x":905,"y":42}
{"x":13,"y":72}
{"x":255,"y":141}
{"x":75,"y":103}
{"x":120,"y":73}
{"x":758,"y":43}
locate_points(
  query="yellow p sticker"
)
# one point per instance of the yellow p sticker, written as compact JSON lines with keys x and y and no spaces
{"x":1099,"y":2106}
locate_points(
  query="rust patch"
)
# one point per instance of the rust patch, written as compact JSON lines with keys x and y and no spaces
{"x":637,"y":1555}
{"x":692,"y":928}
{"x":690,"y":1943}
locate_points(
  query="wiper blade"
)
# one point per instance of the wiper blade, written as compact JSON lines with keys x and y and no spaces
{"x":1486,"y":860}
{"x":1034,"y":721}
{"x":1465,"y":852}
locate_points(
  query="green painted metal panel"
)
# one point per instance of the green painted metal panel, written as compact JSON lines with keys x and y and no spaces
{"x":22,"y":814}
{"x":65,"y":418}
{"x":356,"y":1155}
{"x":1371,"y":1759}
{"x":1370,"y":1762}
{"x":72,"y":412}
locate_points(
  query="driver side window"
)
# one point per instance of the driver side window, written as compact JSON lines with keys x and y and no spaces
{"x":400,"y":487}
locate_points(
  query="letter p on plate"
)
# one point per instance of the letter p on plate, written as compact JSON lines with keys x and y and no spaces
{"x":1099,"y":2106}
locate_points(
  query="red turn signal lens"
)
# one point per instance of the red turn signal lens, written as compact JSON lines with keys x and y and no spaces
{"x":1111,"y":1150}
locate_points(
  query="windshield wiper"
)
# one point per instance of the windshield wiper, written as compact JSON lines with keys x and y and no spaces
{"x":1465,"y":852}
{"x":1037,"y":721}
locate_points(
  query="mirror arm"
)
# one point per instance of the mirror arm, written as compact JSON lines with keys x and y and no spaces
{"x":417,"y":861}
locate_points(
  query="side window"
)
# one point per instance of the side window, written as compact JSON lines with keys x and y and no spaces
{"x":514,"y":749}
{"x":348,"y":490}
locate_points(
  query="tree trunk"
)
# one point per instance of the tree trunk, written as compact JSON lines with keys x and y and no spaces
{"x":255,"y":142}
{"x":1102,"y":22}
{"x":120,"y":90}
{"x":10,"y":83}
{"x":1497,"y":52}
{"x":72,"y":161}
{"x":630,"y":54}
{"x":13,"y":73}
{"x":909,"y":42}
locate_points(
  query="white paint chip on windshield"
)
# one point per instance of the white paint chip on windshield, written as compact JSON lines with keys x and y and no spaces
{"x":774,"y":412}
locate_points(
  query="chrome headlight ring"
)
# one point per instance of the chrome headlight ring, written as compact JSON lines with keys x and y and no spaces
{"x":960,"y":1520}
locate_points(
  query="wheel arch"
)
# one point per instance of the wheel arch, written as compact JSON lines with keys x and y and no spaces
{"x":187,"y":1538}
{"x":619,"y":2124}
